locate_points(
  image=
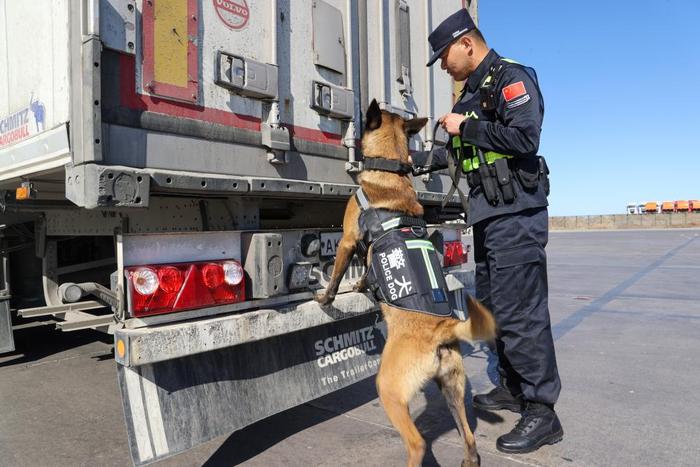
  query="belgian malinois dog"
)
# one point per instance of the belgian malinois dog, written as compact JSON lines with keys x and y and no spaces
{"x":419,"y":346}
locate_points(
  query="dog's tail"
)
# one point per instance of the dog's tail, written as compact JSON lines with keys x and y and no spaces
{"x":480,"y":326}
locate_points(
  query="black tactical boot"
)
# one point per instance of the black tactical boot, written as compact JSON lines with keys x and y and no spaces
{"x":539,"y":425}
{"x":499,"y":398}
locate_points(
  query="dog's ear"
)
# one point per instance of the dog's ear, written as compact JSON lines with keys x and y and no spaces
{"x":414,"y":125}
{"x":374,"y":116}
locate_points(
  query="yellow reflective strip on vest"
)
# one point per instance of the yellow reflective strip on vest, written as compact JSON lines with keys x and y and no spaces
{"x":509,"y":60}
{"x":471,"y":161}
{"x":457,"y":146}
{"x":472,"y":164}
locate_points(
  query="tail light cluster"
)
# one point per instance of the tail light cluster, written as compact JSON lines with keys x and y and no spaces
{"x":454,"y":253}
{"x":166,"y":288}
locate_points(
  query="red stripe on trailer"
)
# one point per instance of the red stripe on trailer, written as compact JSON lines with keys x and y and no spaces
{"x":131,"y":99}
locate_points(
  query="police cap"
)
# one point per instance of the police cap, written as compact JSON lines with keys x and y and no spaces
{"x":450,"y":29}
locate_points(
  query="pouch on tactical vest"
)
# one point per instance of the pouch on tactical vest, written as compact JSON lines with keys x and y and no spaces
{"x":405,"y":272}
{"x":530,"y":170}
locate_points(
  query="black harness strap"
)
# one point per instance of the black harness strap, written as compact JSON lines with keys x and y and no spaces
{"x":453,"y":169}
{"x":455,"y":174}
{"x":429,"y":161}
{"x":374,"y":223}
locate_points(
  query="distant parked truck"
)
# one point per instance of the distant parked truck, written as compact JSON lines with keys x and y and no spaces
{"x":682,"y":206}
{"x":651,"y":207}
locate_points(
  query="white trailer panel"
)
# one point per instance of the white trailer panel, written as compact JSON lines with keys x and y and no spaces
{"x":305,"y":42}
{"x":270,"y":89}
{"x":34,"y":70}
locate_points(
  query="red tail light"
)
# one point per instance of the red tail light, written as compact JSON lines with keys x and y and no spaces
{"x":158,"y":289}
{"x":170,"y":279}
{"x":213,"y":275}
{"x":454,"y":254}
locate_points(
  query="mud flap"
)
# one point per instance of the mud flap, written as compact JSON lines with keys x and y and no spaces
{"x":174,"y":405}
{"x":7,"y":341}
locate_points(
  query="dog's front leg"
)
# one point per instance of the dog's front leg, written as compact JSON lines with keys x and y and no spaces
{"x":346,"y":249}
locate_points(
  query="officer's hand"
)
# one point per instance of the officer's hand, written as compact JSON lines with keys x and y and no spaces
{"x":451,"y":123}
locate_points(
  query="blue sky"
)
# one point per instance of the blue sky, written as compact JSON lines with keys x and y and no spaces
{"x":621,"y":84}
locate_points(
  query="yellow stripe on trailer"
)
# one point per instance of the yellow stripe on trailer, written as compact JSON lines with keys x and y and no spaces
{"x":170,"y":36}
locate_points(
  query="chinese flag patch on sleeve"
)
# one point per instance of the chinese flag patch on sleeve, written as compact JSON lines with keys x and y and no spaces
{"x":514,"y":91}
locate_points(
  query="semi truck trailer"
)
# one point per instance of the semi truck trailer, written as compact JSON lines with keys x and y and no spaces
{"x":175,"y":172}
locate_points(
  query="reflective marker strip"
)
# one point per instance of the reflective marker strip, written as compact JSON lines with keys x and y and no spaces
{"x":138,"y":414}
{"x":429,"y":267}
{"x":413,"y":244}
{"x":155,"y":415}
{"x":391,"y":223}
{"x":424,"y":246}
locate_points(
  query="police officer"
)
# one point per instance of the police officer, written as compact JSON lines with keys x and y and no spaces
{"x":495,"y":131}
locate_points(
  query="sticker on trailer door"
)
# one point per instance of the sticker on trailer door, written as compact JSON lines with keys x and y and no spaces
{"x":234,"y":13}
{"x":23,"y":123}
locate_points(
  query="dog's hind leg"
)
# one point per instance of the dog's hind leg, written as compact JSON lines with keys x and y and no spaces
{"x":452,"y":380}
{"x":400,"y":377}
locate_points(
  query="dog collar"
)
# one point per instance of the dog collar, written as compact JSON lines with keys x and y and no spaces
{"x":387,"y":165}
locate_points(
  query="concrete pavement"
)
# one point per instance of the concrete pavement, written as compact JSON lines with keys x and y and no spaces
{"x":626,"y":321}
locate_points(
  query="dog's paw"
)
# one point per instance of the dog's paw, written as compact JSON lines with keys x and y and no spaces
{"x":359,"y":286}
{"x":324,"y":299}
{"x":473,"y":461}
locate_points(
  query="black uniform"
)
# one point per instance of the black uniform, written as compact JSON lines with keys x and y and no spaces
{"x":509,"y":234}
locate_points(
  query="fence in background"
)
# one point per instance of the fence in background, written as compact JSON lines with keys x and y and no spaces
{"x":626,"y":221}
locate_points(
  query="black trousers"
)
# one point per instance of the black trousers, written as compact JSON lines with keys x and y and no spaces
{"x":511,"y":279}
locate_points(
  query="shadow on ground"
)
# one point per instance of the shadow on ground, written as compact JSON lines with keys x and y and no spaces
{"x":433,"y":422}
{"x":41,"y":341}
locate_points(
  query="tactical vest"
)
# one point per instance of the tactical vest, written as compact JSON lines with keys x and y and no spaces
{"x":484,"y":111}
{"x":404,"y":270}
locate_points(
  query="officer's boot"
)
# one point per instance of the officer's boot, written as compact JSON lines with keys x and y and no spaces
{"x":498,"y":399}
{"x":539,"y":425}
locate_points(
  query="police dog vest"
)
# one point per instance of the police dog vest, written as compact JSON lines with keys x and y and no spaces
{"x":404,"y":270}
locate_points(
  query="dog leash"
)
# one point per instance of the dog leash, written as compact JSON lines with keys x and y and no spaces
{"x":453,"y":169}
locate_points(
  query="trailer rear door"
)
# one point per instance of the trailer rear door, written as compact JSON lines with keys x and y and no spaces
{"x":34,"y":96}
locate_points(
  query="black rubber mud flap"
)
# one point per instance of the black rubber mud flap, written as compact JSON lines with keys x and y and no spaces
{"x":174,"y":405}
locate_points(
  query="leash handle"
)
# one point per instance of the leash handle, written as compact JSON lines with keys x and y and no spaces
{"x":426,"y":169}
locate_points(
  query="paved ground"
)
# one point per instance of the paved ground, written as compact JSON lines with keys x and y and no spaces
{"x":626,"y":320}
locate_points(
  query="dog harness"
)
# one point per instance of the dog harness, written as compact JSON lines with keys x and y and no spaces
{"x":404,"y":270}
